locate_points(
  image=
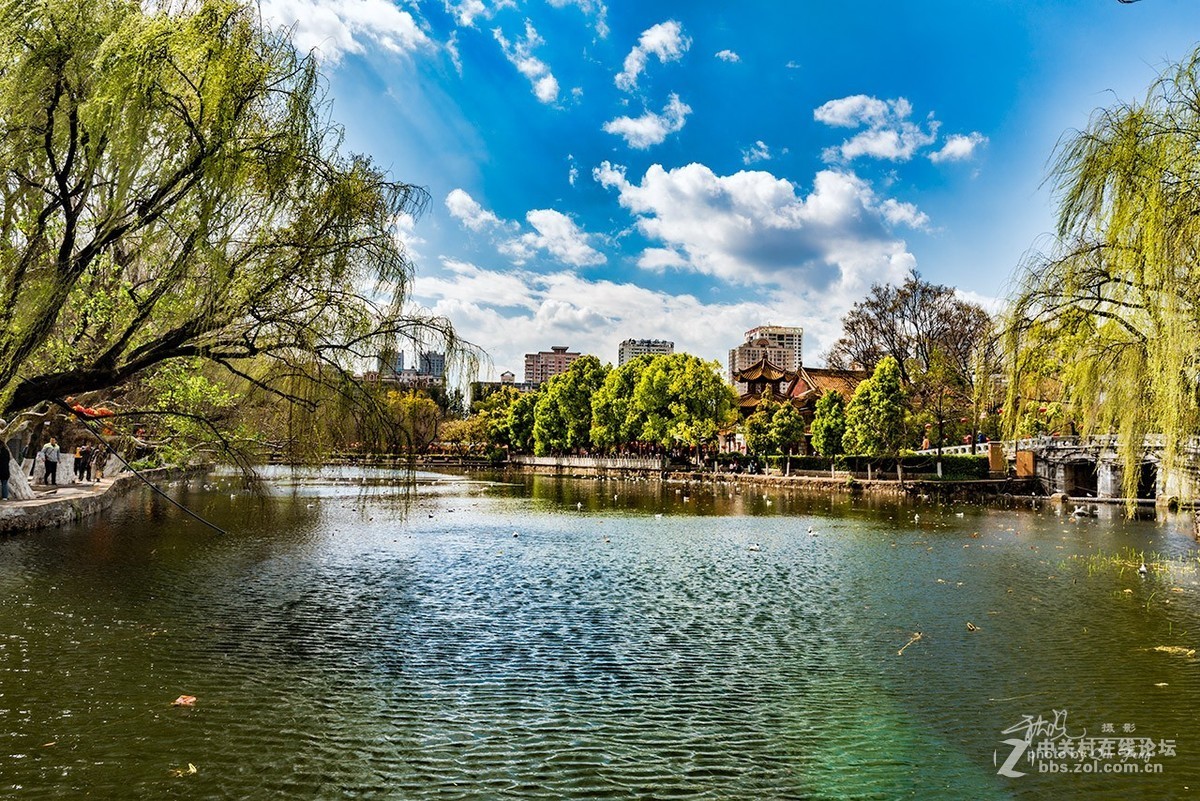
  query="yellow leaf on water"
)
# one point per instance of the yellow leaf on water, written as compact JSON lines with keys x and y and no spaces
{"x":1178,"y":650}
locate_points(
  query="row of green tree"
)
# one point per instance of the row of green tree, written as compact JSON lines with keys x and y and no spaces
{"x":651,"y":402}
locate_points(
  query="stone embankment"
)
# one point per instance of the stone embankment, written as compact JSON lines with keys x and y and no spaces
{"x":919,"y":486}
{"x":67,"y":503}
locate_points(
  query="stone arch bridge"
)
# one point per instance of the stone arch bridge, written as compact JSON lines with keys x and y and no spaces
{"x":1090,"y":467}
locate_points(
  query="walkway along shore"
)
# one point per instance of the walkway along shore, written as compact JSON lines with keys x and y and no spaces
{"x":68,"y":503}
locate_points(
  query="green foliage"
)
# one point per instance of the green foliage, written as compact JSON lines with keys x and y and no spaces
{"x":493,"y":411}
{"x":463,"y":435}
{"x":964,"y":466}
{"x":520,"y":421}
{"x":875,"y":416}
{"x":760,"y":436}
{"x":416,"y":419}
{"x":1110,"y":315}
{"x":773,"y":428}
{"x":615,"y":420}
{"x":174,"y":190}
{"x":829,"y":424}
{"x":681,"y":399}
{"x":182,"y":386}
{"x":787,"y":427}
{"x":563,"y":414}
{"x":183,"y":409}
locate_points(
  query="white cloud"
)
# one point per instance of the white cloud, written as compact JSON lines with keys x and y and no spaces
{"x":572,"y":171}
{"x":467,"y":11}
{"x":660,"y":259}
{"x":520,"y":54}
{"x":856,"y":110}
{"x":558,"y":235}
{"x":752,"y":228}
{"x":553,"y":232}
{"x":511,"y":312}
{"x":588,"y":7}
{"x":406,"y":235}
{"x":336,"y":27}
{"x":467,"y":210}
{"x":452,"y":50}
{"x":728,"y":55}
{"x":650,"y":128}
{"x":664,"y":40}
{"x":958,"y":147}
{"x":759,"y":152}
{"x":898,"y":213}
{"x":891,"y":144}
{"x":990,"y":303}
{"x":889,"y":134}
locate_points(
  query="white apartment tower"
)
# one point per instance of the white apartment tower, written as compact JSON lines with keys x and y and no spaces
{"x":632,"y":348}
{"x":781,"y":344}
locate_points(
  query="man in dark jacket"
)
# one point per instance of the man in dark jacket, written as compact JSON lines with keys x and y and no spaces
{"x":5,"y":470}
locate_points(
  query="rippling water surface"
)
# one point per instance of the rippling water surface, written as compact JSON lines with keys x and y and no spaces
{"x":559,"y":639}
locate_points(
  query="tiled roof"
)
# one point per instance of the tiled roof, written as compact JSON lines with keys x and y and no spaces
{"x":763,"y":369}
{"x":814,"y":382}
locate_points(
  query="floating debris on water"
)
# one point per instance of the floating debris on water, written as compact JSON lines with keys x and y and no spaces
{"x":1176,"y":650}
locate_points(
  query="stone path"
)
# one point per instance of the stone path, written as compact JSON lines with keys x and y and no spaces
{"x":45,"y":494}
{"x":67,"y":503}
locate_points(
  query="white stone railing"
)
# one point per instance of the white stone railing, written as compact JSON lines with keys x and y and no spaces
{"x":593,"y":462}
{"x":980,"y":449}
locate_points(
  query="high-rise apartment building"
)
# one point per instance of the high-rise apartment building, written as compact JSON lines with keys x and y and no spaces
{"x":781,"y":345}
{"x":540,"y":366}
{"x":632,"y":348}
{"x":431,"y":363}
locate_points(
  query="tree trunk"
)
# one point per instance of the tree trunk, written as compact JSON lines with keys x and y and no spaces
{"x":18,"y":482}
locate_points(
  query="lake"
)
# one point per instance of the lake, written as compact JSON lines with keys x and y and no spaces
{"x":357,"y":636}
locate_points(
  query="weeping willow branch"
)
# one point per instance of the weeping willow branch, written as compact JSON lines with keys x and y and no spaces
{"x":172,"y":189}
{"x":1111,"y":314}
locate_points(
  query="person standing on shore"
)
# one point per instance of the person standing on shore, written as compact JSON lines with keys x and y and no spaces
{"x":5,"y":470}
{"x":99,"y":457}
{"x":83,"y":463}
{"x":50,"y":455}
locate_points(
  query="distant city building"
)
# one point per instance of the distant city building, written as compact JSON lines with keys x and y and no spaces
{"x":632,"y":348}
{"x":410,"y":378}
{"x":541,"y":366}
{"x":508,"y":377}
{"x":391,"y":363}
{"x":431,"y":363}
{"x":781,"y":345}
{"x":431,"y":369}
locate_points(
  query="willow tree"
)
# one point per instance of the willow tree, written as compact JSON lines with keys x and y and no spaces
{"x":1110,"y":316}
{"x":173,"y":189}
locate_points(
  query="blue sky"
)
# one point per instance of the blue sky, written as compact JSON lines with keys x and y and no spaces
{"x":686,"y":171}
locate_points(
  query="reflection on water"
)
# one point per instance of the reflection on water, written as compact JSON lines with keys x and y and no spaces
{"x":563,"y":639}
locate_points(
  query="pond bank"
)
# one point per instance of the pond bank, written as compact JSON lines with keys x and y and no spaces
{"x":70,"y":502}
